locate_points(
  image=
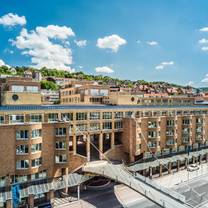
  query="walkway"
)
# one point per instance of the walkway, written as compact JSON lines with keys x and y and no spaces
{"x":160,"y":195}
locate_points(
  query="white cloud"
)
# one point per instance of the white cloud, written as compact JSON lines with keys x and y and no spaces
{"x":205,"y":48}
{"x":55,"y":31}
{"x":11,"y":19}
{"x":203,"y":29}
{"x":164,"y":64}
{"x":2,"y":63}
{"x":190,"y":83}
{"x":205,"y":79}
{"x":40,"y":46}
{"x":104,"y":69}
{"x":152,"y":43}
{"x":203,"y":41}
{"x":81,"y":43}
{"x":112,"y":42}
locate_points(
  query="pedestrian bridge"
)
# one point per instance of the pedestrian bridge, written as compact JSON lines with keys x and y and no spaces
{"x":151,"y":190}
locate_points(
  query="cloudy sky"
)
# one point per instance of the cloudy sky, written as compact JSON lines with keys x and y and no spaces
{"x":129,"y":39}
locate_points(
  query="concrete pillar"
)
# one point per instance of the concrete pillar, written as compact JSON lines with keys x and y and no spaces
{"x":31,"y":201}
{"x":101,"y":146}
{"x":112,"y":139}
{"x":160,"y":170}
{"x":50,"y":196}
{"x":144,"y":172}
{"x":169,"y":167}
{"x":78,"y":192}
{"x":150,"y":172}
{"x":9,"y":203}
{"x":88,"y":147}
{"x":200,"y":159}
{"x":194,"y":159}
{"x":178,"y":165}
{"x":186,"y":163}
{"x":74,"y":141}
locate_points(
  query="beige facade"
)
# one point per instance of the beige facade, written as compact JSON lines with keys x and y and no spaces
{"x":49,"y":141}
{"x":128,"y":99}
{"x":19,"y":91}
{"x":86,"y":94}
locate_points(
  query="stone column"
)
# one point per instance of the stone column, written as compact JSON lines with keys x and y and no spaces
{"x":178,"y":165}
{"x":88,"y":147}
{"x":194,"y":159}
{"x":112,"y":140}
{"x":31,"y":201}
{"x":186,"y":163}
{"x":50,"y":196}
{"x":150,"y":172}
{"x":160,"y":170}
{"x":66,"y":173}
{"x":200,"y":159}
{"x":101,"y":146}
{"x":74,"y":141}
{"x":144,"y":172}
{"x":169,"y":167}
{"x":9,"y":203}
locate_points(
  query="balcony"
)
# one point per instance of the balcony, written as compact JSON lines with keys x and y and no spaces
{"x":186,"y":140}
{"x":152,"y":145}
{"x":152,"y":124}
{"x":170,"y":133}
{"x":199,"y":130}
{"x":199,"y":138}
{"x":170,"y":142}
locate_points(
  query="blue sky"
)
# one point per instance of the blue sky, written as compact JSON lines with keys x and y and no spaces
{"x":130,"y":39}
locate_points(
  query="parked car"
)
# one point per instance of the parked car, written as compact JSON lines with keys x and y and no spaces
{"x":193,"y":167}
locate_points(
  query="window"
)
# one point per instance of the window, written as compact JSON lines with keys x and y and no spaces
{"x":94,"y":127}
{"x":22,"y":149}
{"x":186,"y":121}
{"x":36,"y":147}
{"x":60,"y":158}
{"x":129,"y":114}
{"x":1,"y":119}
{"x":40,"y":175}
{"x":35,"y":118}
{"x":16,"y":119}
{"x":60,"y":145}
{"x":170,"y":122}
{"x":107,"y":125}
{"x":152,"y":124}
{"x":37,"y":162}
{"x":60,"y":131}
{"x":20,"y":179}
{"x":118,"y":125}
{"x":36,"y":133}
{"x":52,"y":117}
{"x":2,"y":181}
{"x":22,"y":164}
{"x":67,"y":116}
{"x":94,"y":116}
{"x":81,"y":127}
{"x":107,"y":115}
{"x":152,"y":134}
{"x":17,"y":88}
{"x":81,"y":116}
{"x":118,"y":115}
{"x":32,"y":89}
{"x":22,"y":134}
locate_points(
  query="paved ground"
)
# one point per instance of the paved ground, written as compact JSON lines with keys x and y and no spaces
{"x":194,"y":185}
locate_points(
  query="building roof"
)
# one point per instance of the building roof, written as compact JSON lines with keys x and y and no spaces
{"x":93,"y":107}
